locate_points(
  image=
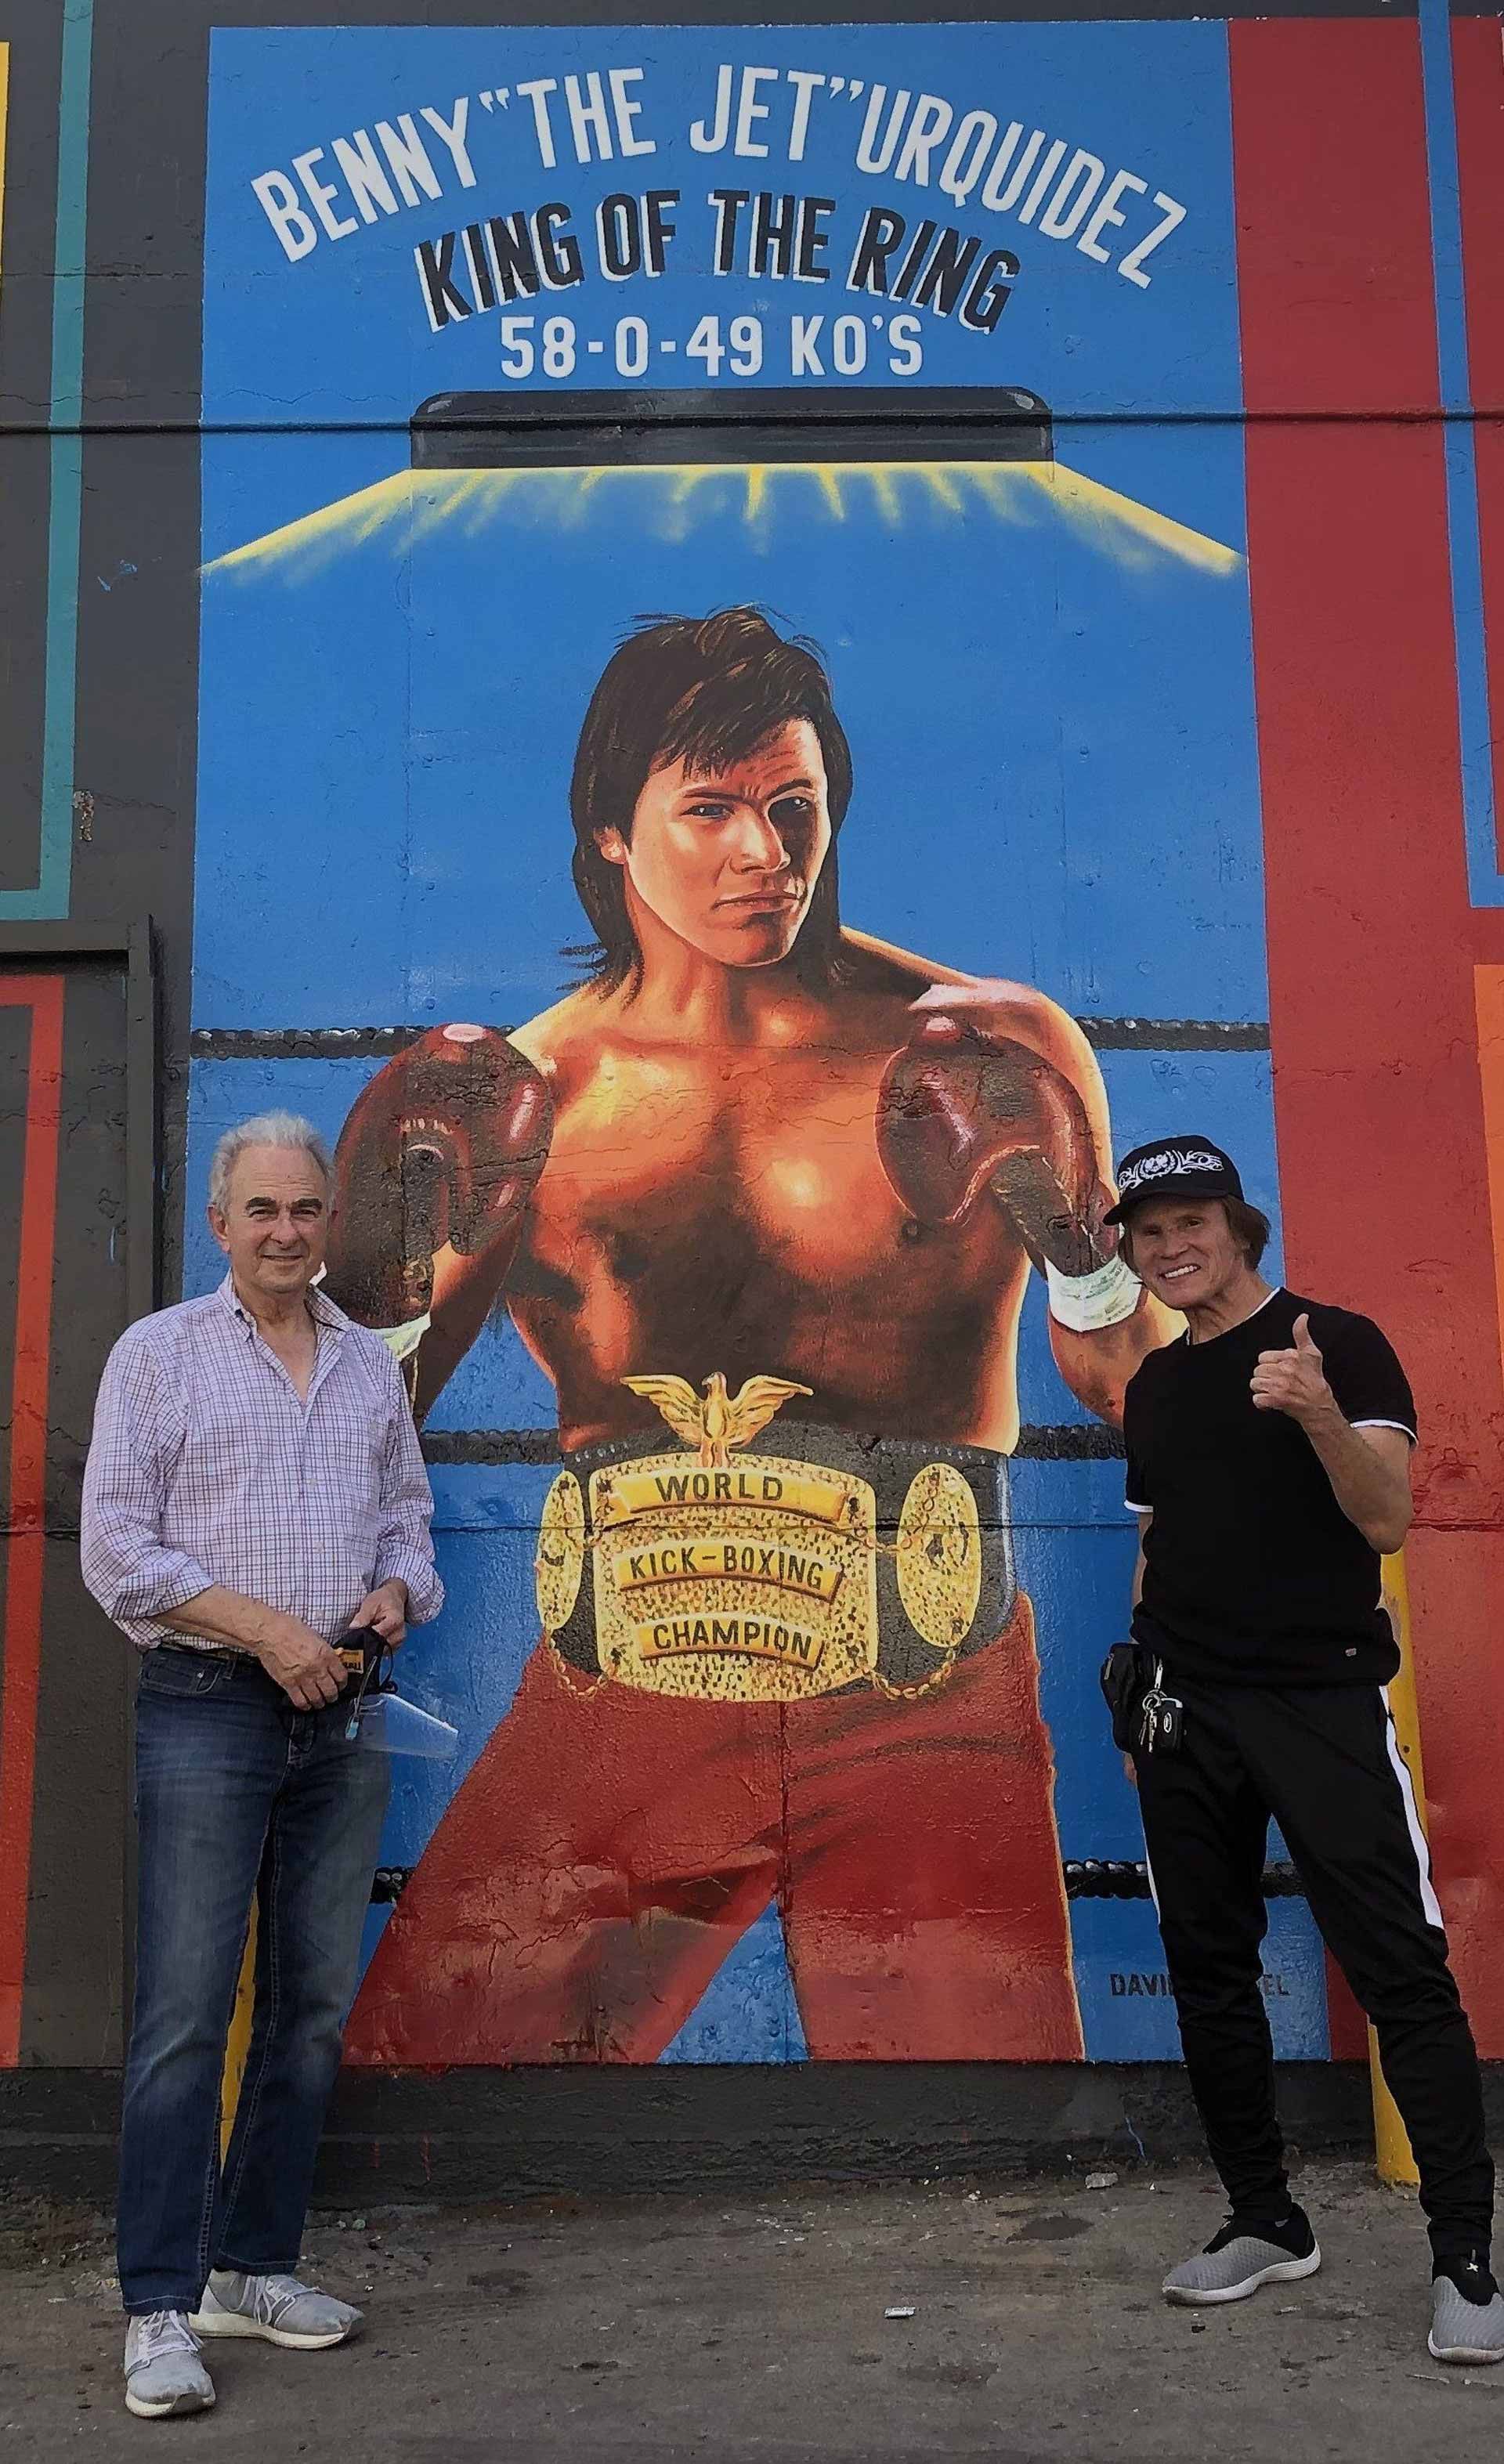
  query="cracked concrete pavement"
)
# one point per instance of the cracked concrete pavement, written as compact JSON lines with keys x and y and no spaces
{"x":758,"y":2331}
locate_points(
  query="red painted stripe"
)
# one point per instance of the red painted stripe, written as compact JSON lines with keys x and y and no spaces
{"x":1333,"y":219}
{"x":1378,"y":1111}
{"x":1486,"y":936}
{"x":27,"y":1546}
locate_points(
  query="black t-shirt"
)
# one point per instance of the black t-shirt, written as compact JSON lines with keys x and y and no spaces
{"x":1252,"y":1572}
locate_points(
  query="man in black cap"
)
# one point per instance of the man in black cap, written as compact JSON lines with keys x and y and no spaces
{"x":1269,"y":1463}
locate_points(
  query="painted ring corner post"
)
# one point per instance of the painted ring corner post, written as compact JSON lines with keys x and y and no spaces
{"x":734,"y":654}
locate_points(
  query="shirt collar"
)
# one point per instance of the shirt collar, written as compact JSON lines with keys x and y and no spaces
{"x":324,"y":1311}
{"x":1185,"y":1338}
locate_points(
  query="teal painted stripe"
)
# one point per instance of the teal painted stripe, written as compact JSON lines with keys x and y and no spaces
{"x":65,"y":482}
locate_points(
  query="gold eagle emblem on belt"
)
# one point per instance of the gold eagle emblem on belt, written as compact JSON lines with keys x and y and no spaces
{"x":723,"y":1419}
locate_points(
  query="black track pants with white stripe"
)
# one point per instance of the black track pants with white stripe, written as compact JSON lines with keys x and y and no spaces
{"x":1322,"y":1760}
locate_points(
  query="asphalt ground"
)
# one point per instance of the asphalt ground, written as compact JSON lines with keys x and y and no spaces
{"x":761,"y":2331}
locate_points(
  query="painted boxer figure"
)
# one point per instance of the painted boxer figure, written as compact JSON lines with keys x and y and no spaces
{"x":778,"y":1186}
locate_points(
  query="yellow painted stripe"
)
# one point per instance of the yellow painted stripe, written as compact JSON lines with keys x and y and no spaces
{"x":238,"y":2046}
{"x":5,"y":95}
{"x":1395,"y":2163}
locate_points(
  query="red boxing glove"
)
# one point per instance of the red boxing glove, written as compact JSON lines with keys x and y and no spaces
{"x":444,"y":1145}
{"x":962,"y":1110}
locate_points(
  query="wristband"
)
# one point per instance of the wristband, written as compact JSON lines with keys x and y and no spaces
{"x":1086,"y":1304}
{"x":402,"y":1341}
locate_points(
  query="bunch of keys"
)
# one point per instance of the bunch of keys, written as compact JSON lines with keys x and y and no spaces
{"x":1161,"y":1716}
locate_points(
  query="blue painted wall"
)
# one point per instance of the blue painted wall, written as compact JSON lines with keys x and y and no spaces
{"x":1045,"y":675}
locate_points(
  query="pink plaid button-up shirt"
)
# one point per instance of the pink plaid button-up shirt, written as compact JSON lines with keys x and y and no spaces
{"x":207,"y":1466}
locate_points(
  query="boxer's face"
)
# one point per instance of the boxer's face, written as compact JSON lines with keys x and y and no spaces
{"x":1185,"y":1251}
{"x":729,"y":861}
{"x":275,"y":1221}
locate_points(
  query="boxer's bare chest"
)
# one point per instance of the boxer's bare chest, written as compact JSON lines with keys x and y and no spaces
{"x":727,"y":1209}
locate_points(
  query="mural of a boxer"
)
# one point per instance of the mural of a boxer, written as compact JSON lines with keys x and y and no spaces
{"x":762,"y":1197}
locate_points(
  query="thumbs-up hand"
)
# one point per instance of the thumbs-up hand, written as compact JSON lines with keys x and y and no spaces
{"x":1293,"y":1381}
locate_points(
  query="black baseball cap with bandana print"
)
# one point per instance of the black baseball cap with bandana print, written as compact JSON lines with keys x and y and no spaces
{"x":1183,"y":1167}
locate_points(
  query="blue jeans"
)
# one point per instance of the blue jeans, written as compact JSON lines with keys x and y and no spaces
{"x":238,"y":1796}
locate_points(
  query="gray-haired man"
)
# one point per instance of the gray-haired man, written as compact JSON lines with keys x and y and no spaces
{"x":254,"y":1488}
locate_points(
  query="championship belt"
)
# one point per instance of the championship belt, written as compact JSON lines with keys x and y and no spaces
{"x":838,"y":1561}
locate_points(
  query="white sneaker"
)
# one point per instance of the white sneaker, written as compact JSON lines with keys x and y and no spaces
{"x":163,"y":2374}
{"x":277,"y":2308}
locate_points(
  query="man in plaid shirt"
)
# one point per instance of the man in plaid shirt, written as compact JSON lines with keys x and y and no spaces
{"x":253,"y":1488}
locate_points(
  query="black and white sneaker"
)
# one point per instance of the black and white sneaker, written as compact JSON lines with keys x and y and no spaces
{"x":1245,"y":2254}
{"x":1467,"y":2312}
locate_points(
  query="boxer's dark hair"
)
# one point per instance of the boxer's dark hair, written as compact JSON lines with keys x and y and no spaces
{"x":1249,"y":1227}
{"x":705,"y":690}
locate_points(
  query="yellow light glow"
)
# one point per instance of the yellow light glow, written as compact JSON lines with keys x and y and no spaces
{"x":672,"y":498}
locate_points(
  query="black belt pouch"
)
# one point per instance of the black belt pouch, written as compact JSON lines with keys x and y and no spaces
{"x":1125,"y":1677}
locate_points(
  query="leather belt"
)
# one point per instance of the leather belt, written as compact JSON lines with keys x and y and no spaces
{"x":221,"y":1652}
